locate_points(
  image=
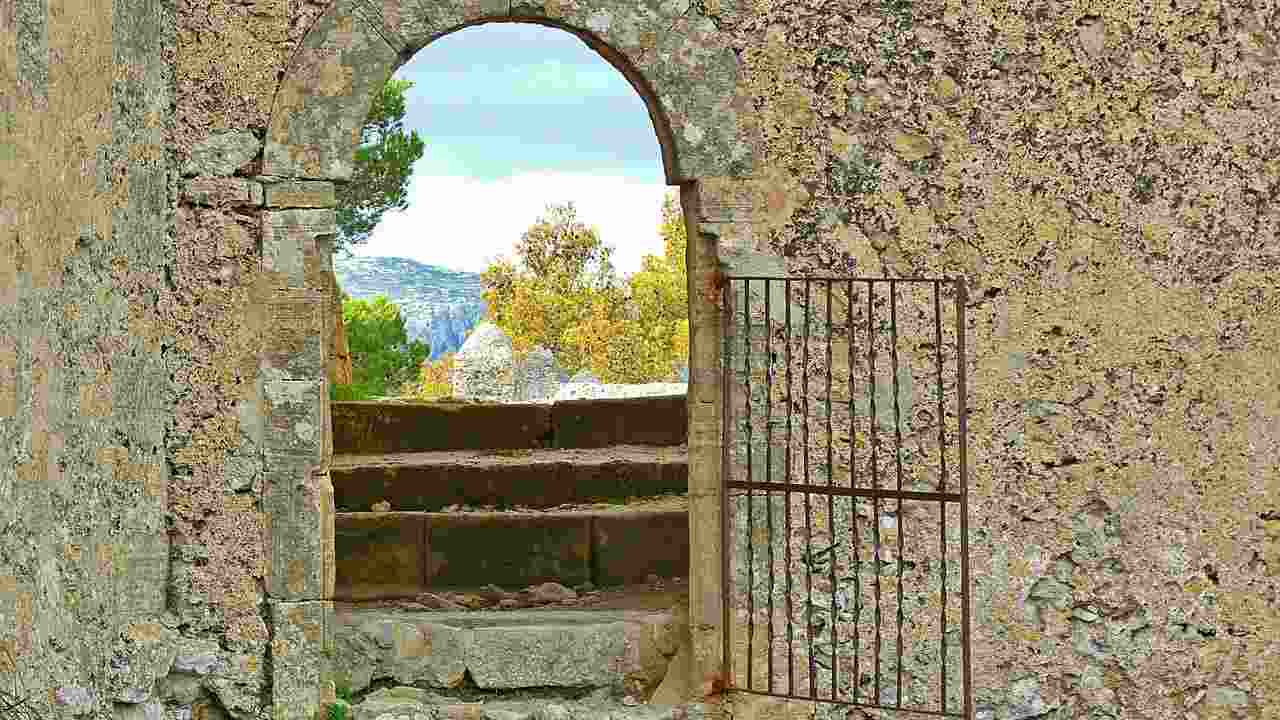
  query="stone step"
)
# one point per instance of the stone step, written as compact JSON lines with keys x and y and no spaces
{"x":431,"y":481}
{"x":396,"y":703}
{"x":376,"y":428}
{"x":490,"y":654}
{"x":403,"y":554}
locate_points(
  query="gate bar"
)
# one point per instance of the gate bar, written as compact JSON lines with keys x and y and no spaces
{"x":961,"y":299}
{"x":875,"y":493}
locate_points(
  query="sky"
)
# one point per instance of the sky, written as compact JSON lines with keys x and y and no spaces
{"x":516,"y":116}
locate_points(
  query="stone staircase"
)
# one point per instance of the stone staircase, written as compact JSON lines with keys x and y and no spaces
{"x":511,"y":562}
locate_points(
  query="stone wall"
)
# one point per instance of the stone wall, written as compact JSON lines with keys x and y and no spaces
{"x":1104,"y":175}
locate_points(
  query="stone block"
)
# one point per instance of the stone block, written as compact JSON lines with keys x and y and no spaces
{"x":222,"y":153}
{"x":619,"y":475}
{"x":291,"y":247}
{"x":628,"y":546}
{"x":370,"y":428}
{"x":501,"y":650}
{"x":298,"y":502}
{"x":380,"y":555}
{"x":507,"y":549}
{"x":315,"y":127}
{"x":301,"y":194}
{"x":294,"y":415}
{"x":302,"y":635}
{"x":376,"y":646}
{"x":222,"y":191}
{"x":293,"y":338}
{"x":661,"y":420}
{"x":547,"y":655}
{"x":196,"y":656}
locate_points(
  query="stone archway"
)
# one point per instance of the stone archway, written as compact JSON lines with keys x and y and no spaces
{"x":687,"y":77}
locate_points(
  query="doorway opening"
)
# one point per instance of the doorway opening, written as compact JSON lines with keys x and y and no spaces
{"x":545,"y":483}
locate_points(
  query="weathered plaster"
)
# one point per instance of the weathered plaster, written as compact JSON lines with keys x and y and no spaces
{"x":1104,"y":174}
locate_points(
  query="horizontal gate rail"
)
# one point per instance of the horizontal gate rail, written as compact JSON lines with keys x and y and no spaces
{"x":760,"y":327}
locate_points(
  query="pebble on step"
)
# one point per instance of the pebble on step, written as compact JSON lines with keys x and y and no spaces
{"x":551,"y":592}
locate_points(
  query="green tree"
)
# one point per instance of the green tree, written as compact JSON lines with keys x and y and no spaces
{"x":383,"y":164}
{"x":647,"y":341}
{"x":383,"y":359}
{"x":561,"y":275}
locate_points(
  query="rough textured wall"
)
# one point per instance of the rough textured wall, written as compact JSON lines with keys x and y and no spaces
{"x":1105,"y":175}
{"x":131,"y":556}
{"x":90,"y":336}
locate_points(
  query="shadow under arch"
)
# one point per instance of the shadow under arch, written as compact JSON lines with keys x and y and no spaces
{"x":687,"y":76}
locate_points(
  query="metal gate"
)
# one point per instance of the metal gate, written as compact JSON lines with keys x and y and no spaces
{"x":759,"y":436}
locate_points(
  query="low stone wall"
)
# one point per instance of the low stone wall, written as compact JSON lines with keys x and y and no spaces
{"x":591,"y":390}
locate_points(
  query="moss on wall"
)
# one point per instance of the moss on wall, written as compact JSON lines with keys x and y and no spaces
{"x":1104,"y":175}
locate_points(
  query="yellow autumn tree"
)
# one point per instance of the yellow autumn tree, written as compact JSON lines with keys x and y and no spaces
{"x":433,"y":378}
{"x":650,"y":338}
{"x":561,"y":292}
{"x":561,"y":272}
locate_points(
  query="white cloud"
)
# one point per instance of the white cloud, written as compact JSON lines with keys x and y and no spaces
{"x":575,"y":80}
{"x":550,"y":82}
{"x":461,"y":223}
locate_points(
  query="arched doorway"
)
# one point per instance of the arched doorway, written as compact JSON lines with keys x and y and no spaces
{"x":687,"y":79}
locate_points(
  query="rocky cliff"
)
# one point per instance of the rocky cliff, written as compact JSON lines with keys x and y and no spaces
{"x":439,"y":305}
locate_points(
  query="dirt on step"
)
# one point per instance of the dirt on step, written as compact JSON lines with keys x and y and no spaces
{"x":517,"y":456}
{"x":657,"y":595}
{"x":672,"y":501}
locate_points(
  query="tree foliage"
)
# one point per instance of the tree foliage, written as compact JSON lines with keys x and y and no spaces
{"x":650,"y":338}
{"x":561,"y":292}
{"x":383,"y":359}
{"x":561,"y":272}
{"x":383,"y":164}
{"x":433,"y":378}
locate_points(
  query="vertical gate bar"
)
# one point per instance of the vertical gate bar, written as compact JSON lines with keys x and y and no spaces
{"x":942,"y":504}
{"x":730,"y":435}
{"x":875,"y":471}
{"x":791,"y":661}
{"x":751,"y":554}
{"x":768,"y":455}
{"x":964,"y":495}
{"x":897,"y":430}
{"x":831,"y":514}
{"x":853,"y":512}
{"x":808,"y":515}
{"x":727,"y":411}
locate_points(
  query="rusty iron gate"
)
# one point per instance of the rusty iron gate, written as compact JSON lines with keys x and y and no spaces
{"x":752,"y":396}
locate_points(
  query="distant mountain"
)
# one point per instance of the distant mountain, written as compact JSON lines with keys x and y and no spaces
{"x":439,"y":305}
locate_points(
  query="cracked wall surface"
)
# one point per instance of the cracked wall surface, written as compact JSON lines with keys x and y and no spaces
{"x":1104,"y":175}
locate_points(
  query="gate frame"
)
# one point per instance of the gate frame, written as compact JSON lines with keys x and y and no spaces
{"x":874,"y":492}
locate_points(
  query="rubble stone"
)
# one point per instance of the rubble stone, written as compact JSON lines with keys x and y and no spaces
{"x":482,"y":369}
